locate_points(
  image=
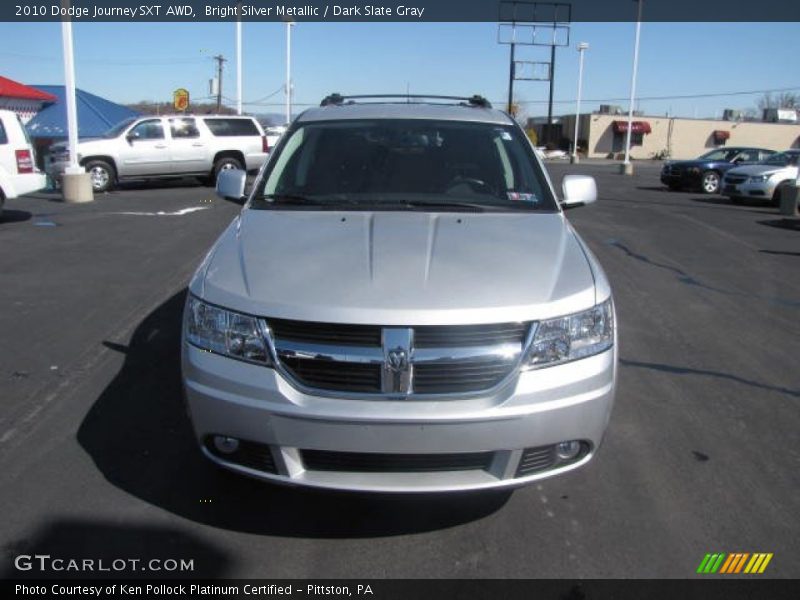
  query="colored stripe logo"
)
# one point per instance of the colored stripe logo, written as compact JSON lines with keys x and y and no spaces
{"x":735,"y":562}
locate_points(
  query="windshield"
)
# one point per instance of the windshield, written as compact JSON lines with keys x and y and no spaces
{"x":117,"y":129}
{"x":719,"y":155}
{"x":405,"y":164}
{"x":782,"y":159}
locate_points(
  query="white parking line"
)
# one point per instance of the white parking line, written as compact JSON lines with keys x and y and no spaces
{"x":161,"y":213}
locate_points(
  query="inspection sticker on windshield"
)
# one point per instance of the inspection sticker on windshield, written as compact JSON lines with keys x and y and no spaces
{"x":522,"y":196}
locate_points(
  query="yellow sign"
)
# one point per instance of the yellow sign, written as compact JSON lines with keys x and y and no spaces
{"x":180,"y":99}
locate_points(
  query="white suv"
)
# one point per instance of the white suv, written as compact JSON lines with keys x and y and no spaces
{"x":18,"y":172}
{"x":166,"y":146}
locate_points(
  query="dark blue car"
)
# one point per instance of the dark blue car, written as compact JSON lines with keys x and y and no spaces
{"x":705,"y":172}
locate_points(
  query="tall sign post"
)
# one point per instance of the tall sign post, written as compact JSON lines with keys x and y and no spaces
{"x":534,"y":24}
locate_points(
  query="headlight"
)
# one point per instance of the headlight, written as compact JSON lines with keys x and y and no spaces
{"x":759,"y":178}
{"x":572,"y":337}
{"x":224,"y":332}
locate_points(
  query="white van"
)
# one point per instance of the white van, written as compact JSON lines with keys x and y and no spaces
{"x":18,"y":172}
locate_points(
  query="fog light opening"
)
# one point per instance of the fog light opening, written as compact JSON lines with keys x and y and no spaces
{"x":568,"y":450}
{"x":226,"y":445}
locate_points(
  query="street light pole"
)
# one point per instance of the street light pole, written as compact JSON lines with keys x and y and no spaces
{"x":627,"y":167}
{"x":581,"y":48}
{"x":239,"y":60}
{"x":76,"y":184}
{"x":69,"y":85}
{"x":289,"y":25}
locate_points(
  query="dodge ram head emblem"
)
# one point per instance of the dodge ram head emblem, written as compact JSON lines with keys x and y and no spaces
{"x":397,"y":360}
{"x":398,"y":372}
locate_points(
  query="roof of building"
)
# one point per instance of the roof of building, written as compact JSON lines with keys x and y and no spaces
{"x":13,"y":89}
{"x":96,"y":115}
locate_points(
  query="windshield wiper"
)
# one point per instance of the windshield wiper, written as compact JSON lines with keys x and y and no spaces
{"x":445,"y":205}
{"x":291,"y":199}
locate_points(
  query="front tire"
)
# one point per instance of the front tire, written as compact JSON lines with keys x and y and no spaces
{"x":709,"y":182}
{"x":102,"y":175}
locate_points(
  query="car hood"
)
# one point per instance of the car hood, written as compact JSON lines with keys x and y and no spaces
{"x":398,"y":268}
{"x":758,"y":170}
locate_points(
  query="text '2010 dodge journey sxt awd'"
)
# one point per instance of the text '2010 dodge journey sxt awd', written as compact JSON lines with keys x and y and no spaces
{"x":401,"y":306}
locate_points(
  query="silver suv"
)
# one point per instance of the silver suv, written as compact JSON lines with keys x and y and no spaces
{"x":166,"y":146}
{"x":401,"y":305}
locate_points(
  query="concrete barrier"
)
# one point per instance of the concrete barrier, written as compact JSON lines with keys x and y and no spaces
{"x":790,"y":195}
{"x":77,"y":187}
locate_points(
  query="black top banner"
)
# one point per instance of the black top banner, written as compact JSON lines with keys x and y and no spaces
{"x":400,"y":10}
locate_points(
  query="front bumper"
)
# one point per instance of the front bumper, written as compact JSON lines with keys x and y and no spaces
{"x":748,"y":189}
{"x":683,"y":179}
{"x":534,"y":411}
{"x":24,"y":183}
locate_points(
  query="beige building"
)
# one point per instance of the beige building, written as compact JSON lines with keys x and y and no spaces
{"x":653,"y":137}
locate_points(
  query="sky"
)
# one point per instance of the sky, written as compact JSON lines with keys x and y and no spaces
{"x":129,"y":62}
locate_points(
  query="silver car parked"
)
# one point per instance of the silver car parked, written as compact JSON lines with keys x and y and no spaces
{"x":401,"y":306}
{"x":764,"y":180}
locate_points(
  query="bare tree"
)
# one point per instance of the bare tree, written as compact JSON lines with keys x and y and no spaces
{"x":782,"y":100}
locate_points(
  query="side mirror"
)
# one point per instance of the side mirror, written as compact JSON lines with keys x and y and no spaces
{"x":578,"y":190}
{"x":132,"y":136}
{"x":230,"y":184}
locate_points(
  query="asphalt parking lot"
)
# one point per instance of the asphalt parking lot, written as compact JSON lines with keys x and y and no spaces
{"x":702,"y":453}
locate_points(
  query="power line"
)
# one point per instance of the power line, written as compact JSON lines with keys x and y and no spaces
{"x":115,"y":63}
{"x":678,"y":97}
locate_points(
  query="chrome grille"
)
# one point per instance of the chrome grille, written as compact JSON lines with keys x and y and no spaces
{"x":326,"y":333}
{"x":735,"y":178}
{"x":397,"y":362}
{"x":460,"y":376}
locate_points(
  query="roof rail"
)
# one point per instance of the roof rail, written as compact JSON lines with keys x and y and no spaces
{"x":338,"y":99}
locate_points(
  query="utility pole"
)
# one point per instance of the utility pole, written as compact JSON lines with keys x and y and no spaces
{"x":550,"y":98}
{"x":511,"y":77}
{"x":288,"y":72}
{"x":220,"y":59}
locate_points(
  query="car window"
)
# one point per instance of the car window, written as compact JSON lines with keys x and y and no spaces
{"x":718,"y":155}
{"x":183,"y":128}
{"x":117,"y":129}
{"x":232,"y":127}
{"x":747,"y":156}
{"x":781,"y":159}
{"x":763,"y":155}
{"x":391,"y":161}
{"x":149,"y":130}
{"x":3,"y":136}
